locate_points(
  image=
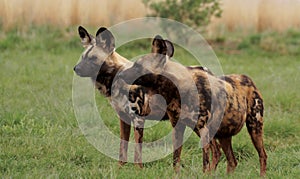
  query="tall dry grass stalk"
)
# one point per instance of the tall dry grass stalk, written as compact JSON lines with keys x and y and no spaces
{"x":238,"y":15}
{"x":279,"y":15}
{"x":257,"y":15}
{"x":68,"y":12}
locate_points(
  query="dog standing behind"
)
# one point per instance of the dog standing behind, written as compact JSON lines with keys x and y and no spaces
{"x":231,"y":99}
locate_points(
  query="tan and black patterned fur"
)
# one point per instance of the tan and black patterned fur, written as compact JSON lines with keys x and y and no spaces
{"x":231,"y":100}
{"x":101,"y":63}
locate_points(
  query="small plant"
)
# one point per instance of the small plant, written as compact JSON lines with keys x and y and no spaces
{"x":194,"y":13}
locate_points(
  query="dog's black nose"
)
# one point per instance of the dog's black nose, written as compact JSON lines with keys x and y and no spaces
{"x":74,"y":68}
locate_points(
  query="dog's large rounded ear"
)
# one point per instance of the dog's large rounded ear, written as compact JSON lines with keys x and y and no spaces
{"x":105,"y":39}
{"x":158,"y":45}
{"x":86,"y":38}
{"x":170,"y":48}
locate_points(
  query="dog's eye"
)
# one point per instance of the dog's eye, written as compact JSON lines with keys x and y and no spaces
{"x":93,"y":58}
{"x":134,"y":108}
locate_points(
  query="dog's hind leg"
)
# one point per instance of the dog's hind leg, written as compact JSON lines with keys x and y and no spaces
{"x":227,"y":148}
{"x":255,"y":131}
{"x":254,"y":125}
{"x":255,"y":128}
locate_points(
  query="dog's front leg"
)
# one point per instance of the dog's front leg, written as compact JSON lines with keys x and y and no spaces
{"x":178,"y":132}
{"x":138,"y":136}
{"x":206,"y":146}
{"x":206,"y":162}
{"x":124,"y":136}
{"x":216,"y":153}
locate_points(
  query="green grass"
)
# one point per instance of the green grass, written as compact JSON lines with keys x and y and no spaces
{"x":40,"y":136}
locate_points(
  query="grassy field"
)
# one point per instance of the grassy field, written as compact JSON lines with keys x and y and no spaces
{"x":40,"y":136}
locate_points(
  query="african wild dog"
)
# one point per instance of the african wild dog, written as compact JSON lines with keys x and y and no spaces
{"x":101,"y":63}
{"x":230,"y":99}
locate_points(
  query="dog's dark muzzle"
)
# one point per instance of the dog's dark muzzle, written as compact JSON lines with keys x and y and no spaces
{"x":79,"y":71}
{"x":86,"y":71}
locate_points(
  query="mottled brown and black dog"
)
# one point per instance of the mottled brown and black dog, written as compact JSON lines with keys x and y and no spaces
{"x":225,"y":104}
{"x":101,"y":63}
